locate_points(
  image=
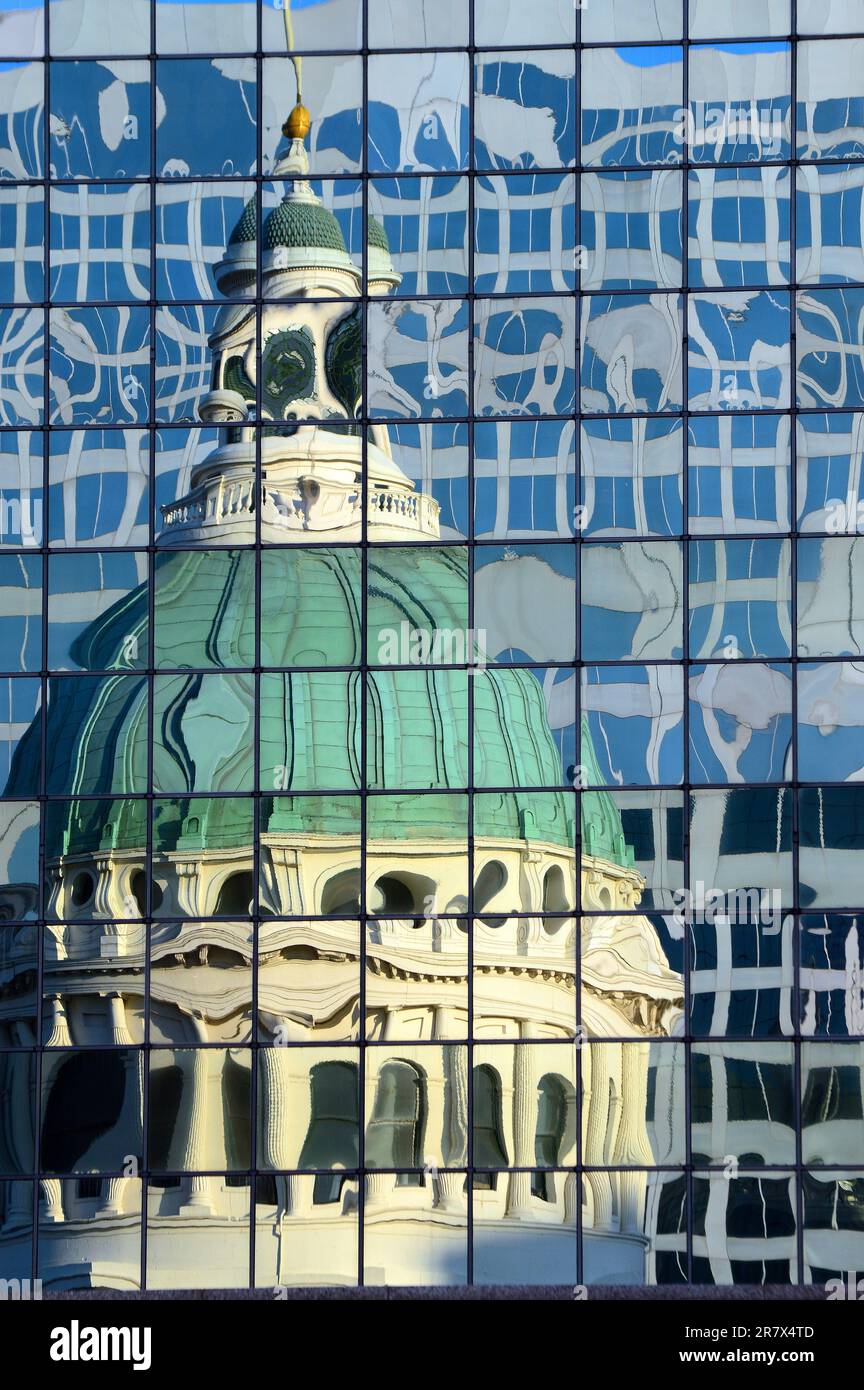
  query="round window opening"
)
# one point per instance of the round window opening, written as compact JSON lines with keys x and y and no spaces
{"x":82,"y":888}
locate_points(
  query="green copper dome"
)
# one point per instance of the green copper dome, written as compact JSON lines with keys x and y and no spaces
{"x":247,"y":227}
{"x":378,"y":236}
{"x":299,"y":224}
{"x":310,"y":713}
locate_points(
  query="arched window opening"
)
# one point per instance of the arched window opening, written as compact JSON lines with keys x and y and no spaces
{"x":341,"y":894}
{"x":489,"y":1147}
{"x":85,"y":1103}
{"x":332,"y":1137}
{"x":83,"y":887}
{"x":489,"y":883}
{"x":139,"y":892}
{"x":549,"y":1134}
{"x":237,"y":895}
{"x":166,"y":1090}
{"x":394,"y":1135}
{"x":236,"y":1083}
{"x":392,"y":898}
{"x":555,"y":890}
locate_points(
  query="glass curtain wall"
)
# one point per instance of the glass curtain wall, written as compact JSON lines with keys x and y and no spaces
{"x":430,"y":829}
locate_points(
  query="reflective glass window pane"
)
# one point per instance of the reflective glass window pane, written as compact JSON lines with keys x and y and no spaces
{"x":740,"y":722}
{"x":739,"y":474}
{"x":752,"y":1239}
{"x":631,"y":477}
{"x":332,"y":88}
{"x":830,"y":100}
{"x":631,"y":353}
{"x":21,"y":122}
{"x":208,"y":117}
{"x":635,"y":716}
{"x":507,"y":21}
{"x":22,"y":516}
{"x":23,"y":28}
{"x":524,"y":357}
{"x":831,"y":827}
{"x":79,"y":27}
{"x":418,"y":359}
{"x":98,"y":611}
{"x":631,"y":228}
{"x":631,"y":106}
{"x":828,"y":341}
{"x":22,"y":351}
{"x":418,"y":112}
{"x":525,"y":110}
{"x":835,"y":17}
{"x":512,"y":585}
{"x":739,"y":837}
{"x":742,"y":1103}
{"x":740,"y":102}
{"x":91,"y":1111}
{"x":830,"y":956}
{"x":832,"y":1117}
{"x":742,"y":969}
{"x":739,"y":226}
{"x":21,"y":616}
{"x":739,"y":18}
{"x":832,"y":1229}
{"x":739,"y":350}
{"x":99,"y":366}
{"x":740,"y":598}
{"x":100,"y":242}
{"x":828,"y":223}
{"x":516,"y":245}
{"x":22,"y":244}
{"x":98,"y":487}
{"x":424,"y":24}
{"x":425,"y":221}
{"x":631,"y":600}
{"x":100,"y":118}
{"x":830,"y":566}
{"x":184,"y":27}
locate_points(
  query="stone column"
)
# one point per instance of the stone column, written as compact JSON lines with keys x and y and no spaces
{"x":278,"y":1142}
{"x":376,"y":1185}
{"x":187,"y":887}
{"x":196,"y":1081}
{"x":52,"y":1192}
{"x":595,"y":1115}
{"x":631,"y":1143}
{"x":133,"y":1100}
{"x":451,"y":1186}
{"x":18,"y":1072}
{"x":120,"y":1035}
{"x":571,"y":1199}
{"x":59,"y":1035}
{"x":524,"y":1127}
{"x":19,"y":1209}
{"x":115,"y":1191}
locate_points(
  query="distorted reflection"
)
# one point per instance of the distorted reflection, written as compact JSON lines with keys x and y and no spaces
{"x":360,"y":818}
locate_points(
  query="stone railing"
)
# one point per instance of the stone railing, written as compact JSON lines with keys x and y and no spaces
{"x":300,"y":506}
{"x":412,"y":509}
{"x":213,"y":502}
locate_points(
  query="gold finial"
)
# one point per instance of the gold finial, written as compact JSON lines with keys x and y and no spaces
{"x":298,"y":123}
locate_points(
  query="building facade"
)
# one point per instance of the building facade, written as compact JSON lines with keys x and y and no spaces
{"x":431,"y":604}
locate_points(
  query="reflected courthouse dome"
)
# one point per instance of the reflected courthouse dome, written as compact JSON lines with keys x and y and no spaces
{"x":306,"y":730}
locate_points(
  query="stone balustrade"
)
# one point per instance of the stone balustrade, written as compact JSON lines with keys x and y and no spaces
{"x":300,"y":506}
